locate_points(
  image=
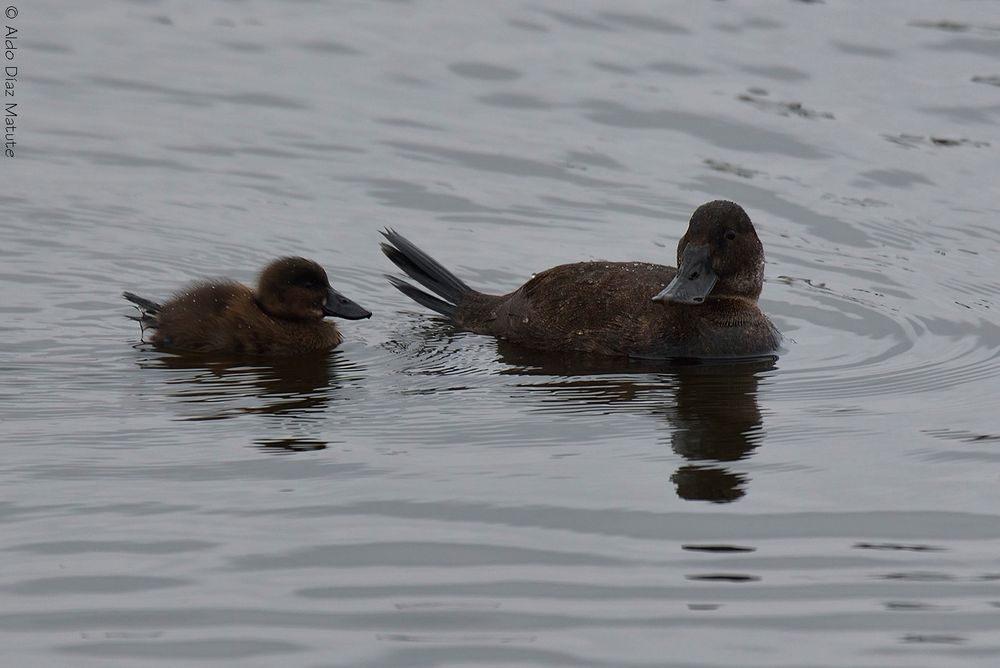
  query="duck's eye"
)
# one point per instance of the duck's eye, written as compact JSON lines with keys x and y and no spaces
{"x":730,"y":235}
{"x":307,"y":284}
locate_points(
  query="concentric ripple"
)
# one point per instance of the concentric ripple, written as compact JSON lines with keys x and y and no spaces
{"x":845,"y":346}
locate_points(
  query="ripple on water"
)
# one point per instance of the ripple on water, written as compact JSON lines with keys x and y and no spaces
{"x":872,"y":348}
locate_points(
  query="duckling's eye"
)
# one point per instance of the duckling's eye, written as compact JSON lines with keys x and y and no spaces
{"x":730,"y":235}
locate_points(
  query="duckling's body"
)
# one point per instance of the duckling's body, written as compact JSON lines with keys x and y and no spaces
{"x":607,"y":308}
{"x":284,"y":316}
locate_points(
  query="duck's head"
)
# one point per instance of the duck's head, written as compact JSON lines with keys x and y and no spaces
{"x":719,"y":256}
{"x":294,"y":288}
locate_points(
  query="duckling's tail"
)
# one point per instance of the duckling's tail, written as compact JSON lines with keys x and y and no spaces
{"x":426,"y":271}
{"x":148,"y":310}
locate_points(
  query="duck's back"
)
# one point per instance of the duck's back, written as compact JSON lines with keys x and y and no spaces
{"x":607,"y":308}
{"x":225,"y":317}
{"x":601,"y":307}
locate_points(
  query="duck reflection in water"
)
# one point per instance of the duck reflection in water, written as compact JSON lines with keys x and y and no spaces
{"x":287,"y":446}
{"x":710,"y":409}
{"x":224,"y":387}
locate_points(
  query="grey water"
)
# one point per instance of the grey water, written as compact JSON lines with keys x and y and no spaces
{"x":427,"y":497}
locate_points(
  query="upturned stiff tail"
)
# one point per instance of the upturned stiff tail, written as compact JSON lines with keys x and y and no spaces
{"x":147,"y":310}
{"x":426,"y":271}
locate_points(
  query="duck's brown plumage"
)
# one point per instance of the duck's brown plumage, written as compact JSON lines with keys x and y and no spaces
{"x":608,"y":308}
{"x":283,"y":316}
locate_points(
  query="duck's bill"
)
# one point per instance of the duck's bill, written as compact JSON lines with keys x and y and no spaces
{"x":694,"y":278}
{"x":339,"y":306}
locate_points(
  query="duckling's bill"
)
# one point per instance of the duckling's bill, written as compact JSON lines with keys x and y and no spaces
{"x":339,"y":306}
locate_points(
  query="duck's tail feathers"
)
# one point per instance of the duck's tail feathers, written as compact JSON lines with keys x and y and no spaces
{"x":422,"y":298}
{"x":147,"y":310}
{"x":426,"y":271}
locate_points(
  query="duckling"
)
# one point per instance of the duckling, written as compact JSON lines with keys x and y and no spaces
{"x":283,"y":316}
{"x":705,"y":308}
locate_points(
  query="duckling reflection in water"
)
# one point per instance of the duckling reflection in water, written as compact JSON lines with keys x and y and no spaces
{"x":283,"y":316}
{"x":705,"y":308}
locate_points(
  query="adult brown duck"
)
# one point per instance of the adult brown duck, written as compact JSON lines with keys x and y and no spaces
{"x":705,"y":308}
{"x":283,"y":316}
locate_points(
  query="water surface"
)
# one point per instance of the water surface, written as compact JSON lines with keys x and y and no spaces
{"x":426,"y":497}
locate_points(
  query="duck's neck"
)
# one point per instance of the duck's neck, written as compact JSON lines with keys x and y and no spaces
{"x":731,"y":300}
{"x":729,"y":310}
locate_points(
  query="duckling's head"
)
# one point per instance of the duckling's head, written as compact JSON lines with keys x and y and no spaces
{"x":719,"y":256}
{"x":294,"y":288}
